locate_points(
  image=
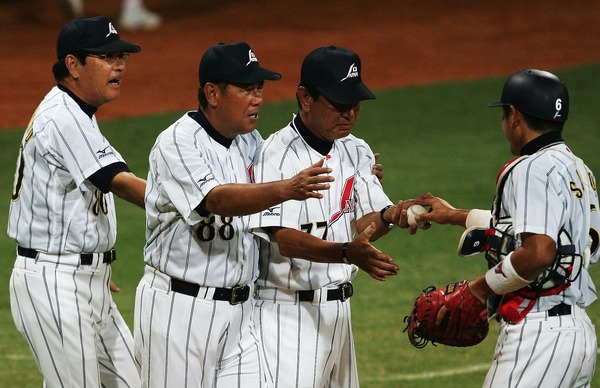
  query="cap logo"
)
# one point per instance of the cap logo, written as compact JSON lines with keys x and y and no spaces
{"x":352,"y":72}
{"x":111,"y":30}
{"x":251,"y":57}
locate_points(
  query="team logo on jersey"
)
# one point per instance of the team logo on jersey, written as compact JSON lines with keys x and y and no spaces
{"x":352,"y":72}
{"x":347,"y":202}
{"x":103,"y":153}
{"x":272,"y":211}
{"x":251,"y":57}
{"x":111,"y":30}
{"x":250,"y":170}
{"x":205,"y":178}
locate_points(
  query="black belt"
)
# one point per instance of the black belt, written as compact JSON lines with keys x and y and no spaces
{"x":85,"y":258}
{"x":342,"y":293}
{"x":235,"y":295}
{"x":559,"y":309}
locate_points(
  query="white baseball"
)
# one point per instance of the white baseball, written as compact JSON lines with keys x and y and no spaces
{"x":412,"y":212}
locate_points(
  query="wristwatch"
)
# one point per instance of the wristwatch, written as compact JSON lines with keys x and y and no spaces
{"x":383,"y":220}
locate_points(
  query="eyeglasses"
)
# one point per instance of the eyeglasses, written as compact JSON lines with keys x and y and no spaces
{"x":111,"y":58}
{"x":341,"y":108}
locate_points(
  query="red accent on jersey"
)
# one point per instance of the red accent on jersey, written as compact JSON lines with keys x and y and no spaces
{"x":504,"y":168}
{"x":347,"y":201}
{"x":250,"y":169}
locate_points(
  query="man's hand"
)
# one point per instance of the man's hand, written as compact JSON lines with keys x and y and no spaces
{"x":378,"y":169}
{"x":368,"y":258}
{"x":398,"y":216}
{"x":113,"y":287}
{"x":441,"y":212}
{"x":307,"y":182}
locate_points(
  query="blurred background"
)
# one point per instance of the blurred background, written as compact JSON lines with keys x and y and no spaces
{"x":433,"y":65}
{"x":401,"y":43}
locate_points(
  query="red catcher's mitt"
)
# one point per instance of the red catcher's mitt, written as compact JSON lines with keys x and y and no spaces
{"x":463,"y":323}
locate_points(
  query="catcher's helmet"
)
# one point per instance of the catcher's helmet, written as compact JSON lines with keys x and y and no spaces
{"x":537,"y":93}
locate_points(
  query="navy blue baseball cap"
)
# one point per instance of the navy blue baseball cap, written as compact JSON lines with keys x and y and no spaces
{"x":95,"y":35}
{"x":233,"y":62}
{"x":537,"y":93}
{"x":335,"y":73}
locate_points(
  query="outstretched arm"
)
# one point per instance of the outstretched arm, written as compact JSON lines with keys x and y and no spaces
{"x":441,"y":212}
{"x":295,"y":243}
{"x":236,"y":199}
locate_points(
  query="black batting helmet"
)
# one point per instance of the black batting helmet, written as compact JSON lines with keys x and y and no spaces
{"x":537,"y":93}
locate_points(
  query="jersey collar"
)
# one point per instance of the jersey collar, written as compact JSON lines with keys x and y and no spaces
{"x":540,"y":142}
{"x":321,"y":146}
{"x":85,"y":107}
{"x":201,"y":119}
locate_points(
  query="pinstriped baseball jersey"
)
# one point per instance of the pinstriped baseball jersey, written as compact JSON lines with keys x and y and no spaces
{"x":544,"y":194}
{"x":57,"y":210}
{"x":355,"y":192}
{"x":54,"y":207}
{"x":185,"y":164}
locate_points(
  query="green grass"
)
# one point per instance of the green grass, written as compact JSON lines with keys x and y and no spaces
{"x":439,"y":138}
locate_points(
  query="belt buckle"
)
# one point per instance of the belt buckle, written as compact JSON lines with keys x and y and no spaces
{"x":347,"y":291}
{"x":239,"y":291}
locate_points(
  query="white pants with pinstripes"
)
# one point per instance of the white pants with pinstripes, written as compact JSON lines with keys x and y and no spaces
{"x":542,"y":351}
{"x":190,"y":342}
{"x":76,"y":334}
{"x":307,"y":344}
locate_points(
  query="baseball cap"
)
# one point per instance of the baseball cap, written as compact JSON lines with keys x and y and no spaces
{"x":233,"y":62}
{"x":93,"y":35}
{"x":335,"y":73}
{"x":537,"y":93}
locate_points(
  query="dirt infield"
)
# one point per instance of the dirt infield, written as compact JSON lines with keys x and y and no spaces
{"x":400,"y":42}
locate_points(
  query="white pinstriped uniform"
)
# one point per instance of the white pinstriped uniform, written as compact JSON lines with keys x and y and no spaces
{"x":63,"y":309}
{"x":311,"y":344}
{"x":183,"y":341}
{"x":541,"y":196}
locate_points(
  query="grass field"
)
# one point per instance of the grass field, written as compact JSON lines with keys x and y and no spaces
{"x":438,"y":138}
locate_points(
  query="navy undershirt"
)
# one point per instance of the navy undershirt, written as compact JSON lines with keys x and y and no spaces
{"x":201,"y":119}
{"x":321,"y":146}
{"x":540,"y":142}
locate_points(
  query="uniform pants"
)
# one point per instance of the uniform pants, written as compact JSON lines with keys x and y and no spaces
{"x":183,"y":341}
{"x":76,"y":334}
{"x":543,"y":351}
{"x":307,"y":344}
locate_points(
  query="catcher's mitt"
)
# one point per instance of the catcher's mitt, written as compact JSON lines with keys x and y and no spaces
{"x":463,"y":323}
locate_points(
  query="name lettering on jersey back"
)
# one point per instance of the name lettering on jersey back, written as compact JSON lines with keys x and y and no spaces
{"x":347,"y":202}
{"x":103,"y":153}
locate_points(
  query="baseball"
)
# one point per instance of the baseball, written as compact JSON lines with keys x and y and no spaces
{"x":412,"y":212}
